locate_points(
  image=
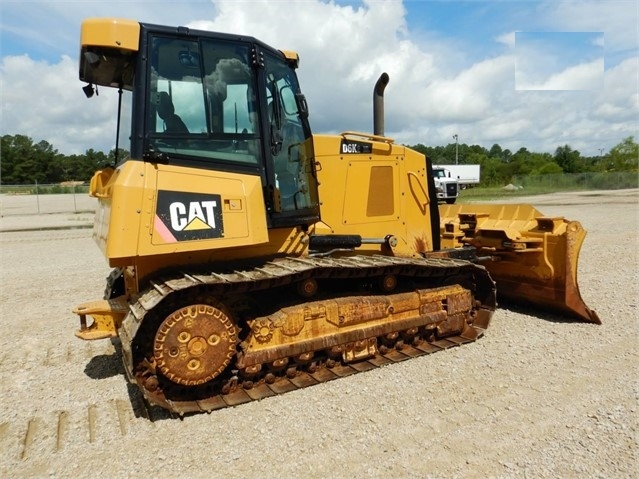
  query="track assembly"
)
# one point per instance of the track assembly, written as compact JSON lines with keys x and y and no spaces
{"x":202,"y":342}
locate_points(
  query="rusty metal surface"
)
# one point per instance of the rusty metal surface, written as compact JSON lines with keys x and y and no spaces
{"x":283,"y":384}
{"x":533,"y":258}
{"x":194,"y":344}
{"x":299,"y":345}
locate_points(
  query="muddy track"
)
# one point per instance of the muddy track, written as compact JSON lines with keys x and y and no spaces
{"x":301,"y":379}
{"x":139,"y":327}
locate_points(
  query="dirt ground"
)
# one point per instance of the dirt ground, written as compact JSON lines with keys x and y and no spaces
{"x":538,"y":396}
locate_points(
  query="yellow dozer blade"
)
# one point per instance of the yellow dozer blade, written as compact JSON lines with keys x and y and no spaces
{"x":532,"y":258}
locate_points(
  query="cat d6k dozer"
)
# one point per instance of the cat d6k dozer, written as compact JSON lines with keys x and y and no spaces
{"x":251,"y":257}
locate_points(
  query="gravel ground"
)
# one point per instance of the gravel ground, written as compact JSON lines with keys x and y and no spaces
{"x":536,"y":397}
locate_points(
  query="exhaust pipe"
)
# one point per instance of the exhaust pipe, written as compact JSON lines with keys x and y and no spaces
{"x":378,"y":104}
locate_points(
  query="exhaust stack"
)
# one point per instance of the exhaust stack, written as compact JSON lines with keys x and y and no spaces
{"x":378,"y":104}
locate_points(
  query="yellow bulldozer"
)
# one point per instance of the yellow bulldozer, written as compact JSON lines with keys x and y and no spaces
{"x":251,"y":257}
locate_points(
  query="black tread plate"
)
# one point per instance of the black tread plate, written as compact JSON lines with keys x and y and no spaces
{"x":396,"y":356}
{"x":238,"y":396}
{"x":260,"y":391}
{"x":282,"y":385}
{"x":303,"y":380}
{"x":343,"y":370}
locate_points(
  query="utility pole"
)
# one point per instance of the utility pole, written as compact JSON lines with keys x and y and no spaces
{"x":456,"y":148}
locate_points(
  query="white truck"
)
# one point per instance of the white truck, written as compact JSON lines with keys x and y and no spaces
{"x":447,"y":187}
{"x":466,"y":175}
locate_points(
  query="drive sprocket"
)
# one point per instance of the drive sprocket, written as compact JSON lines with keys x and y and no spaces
{"x":194,"y":344}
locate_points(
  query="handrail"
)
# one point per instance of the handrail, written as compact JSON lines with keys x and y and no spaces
{"x":369,"y":136}
{"x":414,"y":175}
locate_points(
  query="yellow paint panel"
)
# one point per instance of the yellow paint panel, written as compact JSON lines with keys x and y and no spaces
{"x":356,"y":196}
{"x":370,"y":191}
{"x":126,"y":221}
{"x":110,"y":32}
{"x":234,"y":199}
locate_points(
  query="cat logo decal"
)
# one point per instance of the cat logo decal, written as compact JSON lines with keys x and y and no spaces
{"x":183,"y":216}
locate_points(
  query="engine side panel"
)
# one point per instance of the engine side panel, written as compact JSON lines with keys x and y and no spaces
{"x":373,"y":188}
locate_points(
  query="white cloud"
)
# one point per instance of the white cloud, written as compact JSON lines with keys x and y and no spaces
{"x":585,"y":76}
{"x":343,"y":50}
{"x":46,"y":102}
{"x":618,"y":19}
{"x":619,"y":101}
{"x":507,"y":39}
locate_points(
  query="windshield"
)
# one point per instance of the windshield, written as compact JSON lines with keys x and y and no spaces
{"x":202,"y":101}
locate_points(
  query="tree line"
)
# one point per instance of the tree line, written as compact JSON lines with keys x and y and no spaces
{"x":499,"y":166}
{"x":23,"y":161}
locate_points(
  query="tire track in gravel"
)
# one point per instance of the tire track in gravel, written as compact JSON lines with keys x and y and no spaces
{"x":37,"y":435}
{"x":56,"y":356}
{"x":45,"y":434}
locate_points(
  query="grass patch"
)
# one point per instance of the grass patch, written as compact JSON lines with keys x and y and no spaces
{"x":498,"y":192}
{"x":545,"y":184}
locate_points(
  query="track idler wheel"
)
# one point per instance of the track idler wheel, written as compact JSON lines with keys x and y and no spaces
{"x":194,"y":344}
{"x":307,"y":288}
{"x":387,"y":283}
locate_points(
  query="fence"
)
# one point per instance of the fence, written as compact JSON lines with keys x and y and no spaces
{"x":43,"y":199}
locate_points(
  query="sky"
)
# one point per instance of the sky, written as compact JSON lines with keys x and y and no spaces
{"x":523,"y":74}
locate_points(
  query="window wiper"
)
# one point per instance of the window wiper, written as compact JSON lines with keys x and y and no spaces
{"x":276,"y":124}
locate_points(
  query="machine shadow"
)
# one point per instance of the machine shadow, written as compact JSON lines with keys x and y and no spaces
{"x":106,"y":366}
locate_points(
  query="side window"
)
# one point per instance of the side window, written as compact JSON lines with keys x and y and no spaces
{"x":229,"y":90}
{"x":177,"y":106}
{"x":202,"y":101}
{"x":236,"y":111}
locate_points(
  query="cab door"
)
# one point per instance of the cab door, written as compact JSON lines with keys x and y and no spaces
{"x":292,"y":185}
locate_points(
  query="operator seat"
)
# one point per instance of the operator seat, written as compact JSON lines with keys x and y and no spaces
{"x":172,"y":122}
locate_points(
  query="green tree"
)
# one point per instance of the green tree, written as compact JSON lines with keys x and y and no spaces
{"x":112,"y":159}
{"x":24,"y":162}
{"x":492,"y":172}
{"x":550,"y":168}
{"x":568,"y":159}
{"x":624,"y":156}
{"x":495,"y":151}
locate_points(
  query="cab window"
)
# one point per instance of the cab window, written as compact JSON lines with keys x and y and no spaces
{"x":202,"y":101}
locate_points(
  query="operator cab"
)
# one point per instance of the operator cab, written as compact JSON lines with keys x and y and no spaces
{"x":213,"y":101}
